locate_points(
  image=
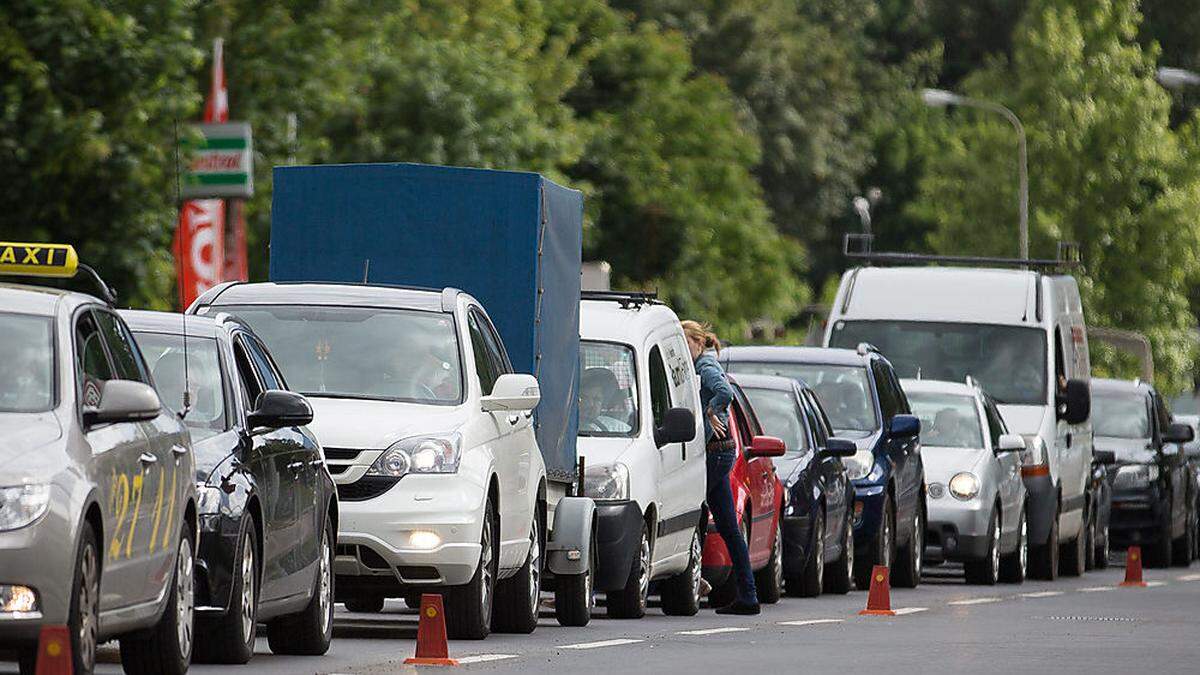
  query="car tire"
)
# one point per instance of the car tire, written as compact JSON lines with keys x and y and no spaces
{"x":1181,"y":548}
{"x":167,"y":649}
{"x":372,"y":604}
{"x":469,"y":607}
{"x":630,"y":602}
{"x":84,"y":621}
{"x":229,"y":639}
{"x":812,"y":580}
{"x":1158,"y":552}
{"x":1103,"y":547}
{"x":309,"y":632}
{"x":839,"y":574}
{"x":908,"y":565}
{"x":681,"y":593}
{"x":1043,"y":558}
{"x":574,"y":594}
{"x":881,"y":549}
{"x":769,"y":580}
{"x":1089,"y":547}
{"x":519,"y":598}
{"x":986,"y":572}
{"x":1015,"y":566}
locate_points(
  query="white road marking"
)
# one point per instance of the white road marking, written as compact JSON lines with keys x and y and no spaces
{"x":486,"y":658}
{"x":901,"y":611}
{"x":974,"y":601}
{"x":1190,"y":577}
{"x":1096,"y":589}
{"x":1152,"y":584}
{"x":1041,"y":594}
{"x":810,"y":622}
{"x":602,"y":643}
{"x":713,"y":631}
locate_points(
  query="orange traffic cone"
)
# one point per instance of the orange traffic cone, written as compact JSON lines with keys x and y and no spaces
{"x":54,"y":651}
{"x":879,"y":601}
{"x":1133,"y":567}
{"x":432,"y":649}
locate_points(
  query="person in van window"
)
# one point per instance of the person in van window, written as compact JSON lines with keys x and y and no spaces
{"x":715,"y":397}
{"x":599,"y":398}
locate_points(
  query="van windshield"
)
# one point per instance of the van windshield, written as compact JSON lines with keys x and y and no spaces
{"x":607,"y":390}
{"x":1008,"y":361}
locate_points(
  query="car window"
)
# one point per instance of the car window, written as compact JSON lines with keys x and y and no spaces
{"x":738,"y":417}
{"x":684,"y":392}
{"x":781,"y":416}
{"x":493,"y":344}
{"x":91,"y":359}
{"x":754,"y":427}
{"x":995,"y":422}
{"x":247,"y":374}
{"x":843,"y":390}
{"x":660,"y":388}
{"x":820,"y":423}
{"x":1120,"y":415}
{"x":948,"y":420}
{"x":26,"y":363}
{"x":165,"y":354}
{"x":608,"y":404}
{"x":262,"y":364}
{"x":486,"y":366}
{"x":126,"y":360}
{"x":888,"y":403}
{"x":1162,"y":413}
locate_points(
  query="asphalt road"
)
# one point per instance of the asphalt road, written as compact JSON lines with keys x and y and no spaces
{"x":1085,"y":625}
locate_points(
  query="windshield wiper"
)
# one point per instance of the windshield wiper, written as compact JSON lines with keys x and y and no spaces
{"x":355,"y":397}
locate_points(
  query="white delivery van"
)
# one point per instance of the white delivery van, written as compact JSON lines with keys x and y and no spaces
{"x":642,"y":446}
{"x":1021,"y":334}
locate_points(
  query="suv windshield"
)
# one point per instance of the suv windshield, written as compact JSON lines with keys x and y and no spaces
{"x":607,"y":390}
{"x":26,"y":363}
{"x":1120,"y":416}
{"x":164,"y":355}
{"x":780,"y":417}
{"x":947,"y":420}
{"x":361,"y":352}
{"x":842,"y":390}
{"x":1008,"y":361}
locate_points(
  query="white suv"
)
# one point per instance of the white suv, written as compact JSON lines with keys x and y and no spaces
{"x":642,"y":445}
{"x":429,"y":436}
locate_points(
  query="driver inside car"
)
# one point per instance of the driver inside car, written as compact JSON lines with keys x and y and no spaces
{"x":599,"y":394}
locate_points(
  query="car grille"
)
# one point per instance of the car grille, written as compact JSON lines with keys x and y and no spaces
{"x":367,"y":487}
{"x":342,"y":453}
{"x":336,"y":469}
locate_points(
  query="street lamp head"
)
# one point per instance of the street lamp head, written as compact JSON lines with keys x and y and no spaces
{"x":1177,"y":78}
{"x":940,"y":98}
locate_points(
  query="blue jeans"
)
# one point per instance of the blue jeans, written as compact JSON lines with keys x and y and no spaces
{"x":720,"y":502}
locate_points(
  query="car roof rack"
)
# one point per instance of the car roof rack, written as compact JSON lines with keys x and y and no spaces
{"x":627,"y":299}
{"x":858,"y":246}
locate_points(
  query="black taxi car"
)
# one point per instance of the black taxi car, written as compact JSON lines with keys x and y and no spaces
{"x":267,"y":504}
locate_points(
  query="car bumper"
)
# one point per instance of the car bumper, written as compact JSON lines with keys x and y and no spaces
{"x":1041,"y":508}
{"x":868,"y":512}
{"x":42,"y":557}
{"x":1136,"y":516}
{"x":715,"y":563}
{"x":957,"y":531}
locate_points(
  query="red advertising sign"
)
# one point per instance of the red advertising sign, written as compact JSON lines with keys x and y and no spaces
{"x":199,"y":247}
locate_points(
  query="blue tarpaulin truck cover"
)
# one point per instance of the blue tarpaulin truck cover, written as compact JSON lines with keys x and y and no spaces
{"x":511,"y":239}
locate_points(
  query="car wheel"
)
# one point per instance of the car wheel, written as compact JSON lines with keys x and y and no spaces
{"x":519,"y":598}
{"x":839,"y":574}
{"x":1074,"y":551}
{"x":230,"y":638}
{"x":681,"y":593}
{"x":908,"y":567}
{"x":986,"y":571}
{"x":371,"y":604}
{"x":1089,"y":547}
{"x":1103,"y":547}
{"x":309,"y":632}
{"x":811,"y":581}
{"x":1181,"y":548}
{"x":84,"y":622}
{"x":1015,"y":565}
{"x":769,"y":580}
{"x":630,"y":601}
{"x":1158,"y":552}
{"x":574,"y":594}
{"x":469,"y":607}
{"x":167,"y":650}
{"x":1043,"y":559}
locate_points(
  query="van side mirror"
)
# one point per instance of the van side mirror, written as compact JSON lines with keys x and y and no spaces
{"x":1105,"y":457}
{"x":1178,"y":432}
{"x":1010,"y":443}
{"x":679,"y":426}
{"x":1074,"y":403}
{"x":766,"y":446}
{"x":838,"y":447}
{"x":123,"y":401}
{"x":278,"y":409}
{"x":904,"y":426}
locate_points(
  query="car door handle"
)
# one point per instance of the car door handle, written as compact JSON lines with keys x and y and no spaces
{"x":296,"y":466}
{"x":513,"y":419}
{"x":147,"y":459}
{"x":179,"y":450}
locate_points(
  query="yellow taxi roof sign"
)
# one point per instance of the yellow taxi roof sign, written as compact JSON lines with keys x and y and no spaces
{"x":38,"y":260}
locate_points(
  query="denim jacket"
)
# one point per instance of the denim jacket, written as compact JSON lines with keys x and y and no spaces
{"x":715,"y":392}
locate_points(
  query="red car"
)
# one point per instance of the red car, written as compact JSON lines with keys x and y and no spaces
{"x":758,"y":498}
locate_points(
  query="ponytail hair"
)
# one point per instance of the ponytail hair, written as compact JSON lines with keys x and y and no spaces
{"x":702,"y":333}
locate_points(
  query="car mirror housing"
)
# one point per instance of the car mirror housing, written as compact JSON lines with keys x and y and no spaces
{"x":766,"y":446}
{"x":1010,"y":443}
{"x":277,"y":409}
{"x":124,"y":401}
{"x":513,"y":392}
{"x":1178,"y":432}
{"x":904,"y":426}
{"x":679,"y":426}
{"x":1105,"y":457}
{"x":839,"y":447}
{"x":1074,"y":402}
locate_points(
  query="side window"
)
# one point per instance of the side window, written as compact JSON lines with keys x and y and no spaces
{"x":995,"y":423}
{"x":1161,"y":412}
{"x":682,"y":372}
{"x":817,"y":418}
{"x":127,"y":360}
{"x":737,"y":414}
{"x":660,"y":387}
{"x":888,"y":403}
{"x":1060,"y":360}
{"x":246,"y":374}
{"x":267,"y":373}
{"x":495,"y":347}
{"x":485,"y":366}
{"x":898,"y":391}
{"x":91,"y":359}
{"x":753,"y":426}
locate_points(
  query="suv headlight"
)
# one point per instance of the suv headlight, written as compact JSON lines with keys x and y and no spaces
{"x":964,"y":485}
{"x":22,"y":505}
{"x":606,"y":481}
{"x":419,"y":454}
{"x":860,"y":464}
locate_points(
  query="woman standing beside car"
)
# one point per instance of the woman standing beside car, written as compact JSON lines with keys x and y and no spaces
{"x":715,"y":396}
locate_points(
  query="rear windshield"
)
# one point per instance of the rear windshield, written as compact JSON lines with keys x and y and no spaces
{"x":842,"y":390}
{"x":26,"y":363}
{"x":1120,"y":416}
{"x":947,"y":420}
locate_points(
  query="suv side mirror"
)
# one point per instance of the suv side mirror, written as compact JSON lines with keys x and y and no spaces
{"x":277,"y":408}
{"x":1074,"y":403}
{"x":1010,"y":443}
{"x":513,"y":392}
{"x":838,"y":447}
{"x":766,"y":446}
{"x":1105,"y":457}
{"x":904,"y":426}
{"x":1178,"y":432}
{"x":679,"y":426}
{"x":123,"y":401}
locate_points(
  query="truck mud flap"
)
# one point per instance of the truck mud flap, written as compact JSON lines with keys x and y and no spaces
{"x":618,"y":534}
{"x":569,"y":548}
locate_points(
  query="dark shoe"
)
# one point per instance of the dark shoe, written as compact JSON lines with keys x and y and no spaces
{"x":740,"y":608}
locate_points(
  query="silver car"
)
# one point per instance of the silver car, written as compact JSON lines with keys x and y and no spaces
{"x":97,"y":489}
{"x":975,"y":494}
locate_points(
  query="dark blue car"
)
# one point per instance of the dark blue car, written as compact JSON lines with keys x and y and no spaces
{"x":862,"y":396}
{"x":818,"y":534}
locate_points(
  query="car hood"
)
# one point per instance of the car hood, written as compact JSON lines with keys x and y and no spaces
{"x":25,"y":436}
{"x":595,"y":450}
{"x":1024,"y":419}
{"x":375,"y":425}
{"x":1127,"y":450}
{"x":942,"y":463}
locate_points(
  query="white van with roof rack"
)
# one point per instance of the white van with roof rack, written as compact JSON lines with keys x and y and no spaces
{"x":1020,"y":333}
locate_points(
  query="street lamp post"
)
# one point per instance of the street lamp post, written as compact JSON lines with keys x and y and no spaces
{"x":940,"y":98}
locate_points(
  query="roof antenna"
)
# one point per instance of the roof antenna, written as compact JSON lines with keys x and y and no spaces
{"x":366,"y":269}
{"x":187,"y":382}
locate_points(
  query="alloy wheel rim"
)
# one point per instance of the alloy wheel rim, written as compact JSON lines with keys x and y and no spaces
{"x":779,"y":554}
{"x":89,"y":586}
{"x":819,"y":553}
{"x":848,"y":549}
{"x":918,"y":544}
{"x":248,"y":581}
{"x":535,"y":566}
{"x":485,"y":567}
{"x":1106,"y":550}
{"x":996,"y":549}
{"x":644,"y":572}
{"x":184,"y":589}
{"x":885,"y":541}
{"x":326,"y":599}
{"x":697,"y":572}
{"x":1023,"y":552}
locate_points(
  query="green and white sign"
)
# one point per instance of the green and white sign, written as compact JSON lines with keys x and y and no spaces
{"x":221,"y":164}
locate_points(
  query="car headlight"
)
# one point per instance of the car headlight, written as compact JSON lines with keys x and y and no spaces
{"x":420,"y":454}
{"x":1135,"y":475}
{"x":860,"y":464}
{"x":22,"y":505}
{"x":964,"y":485}
{"x":209,"y":498}
{"x":606,"y":481}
